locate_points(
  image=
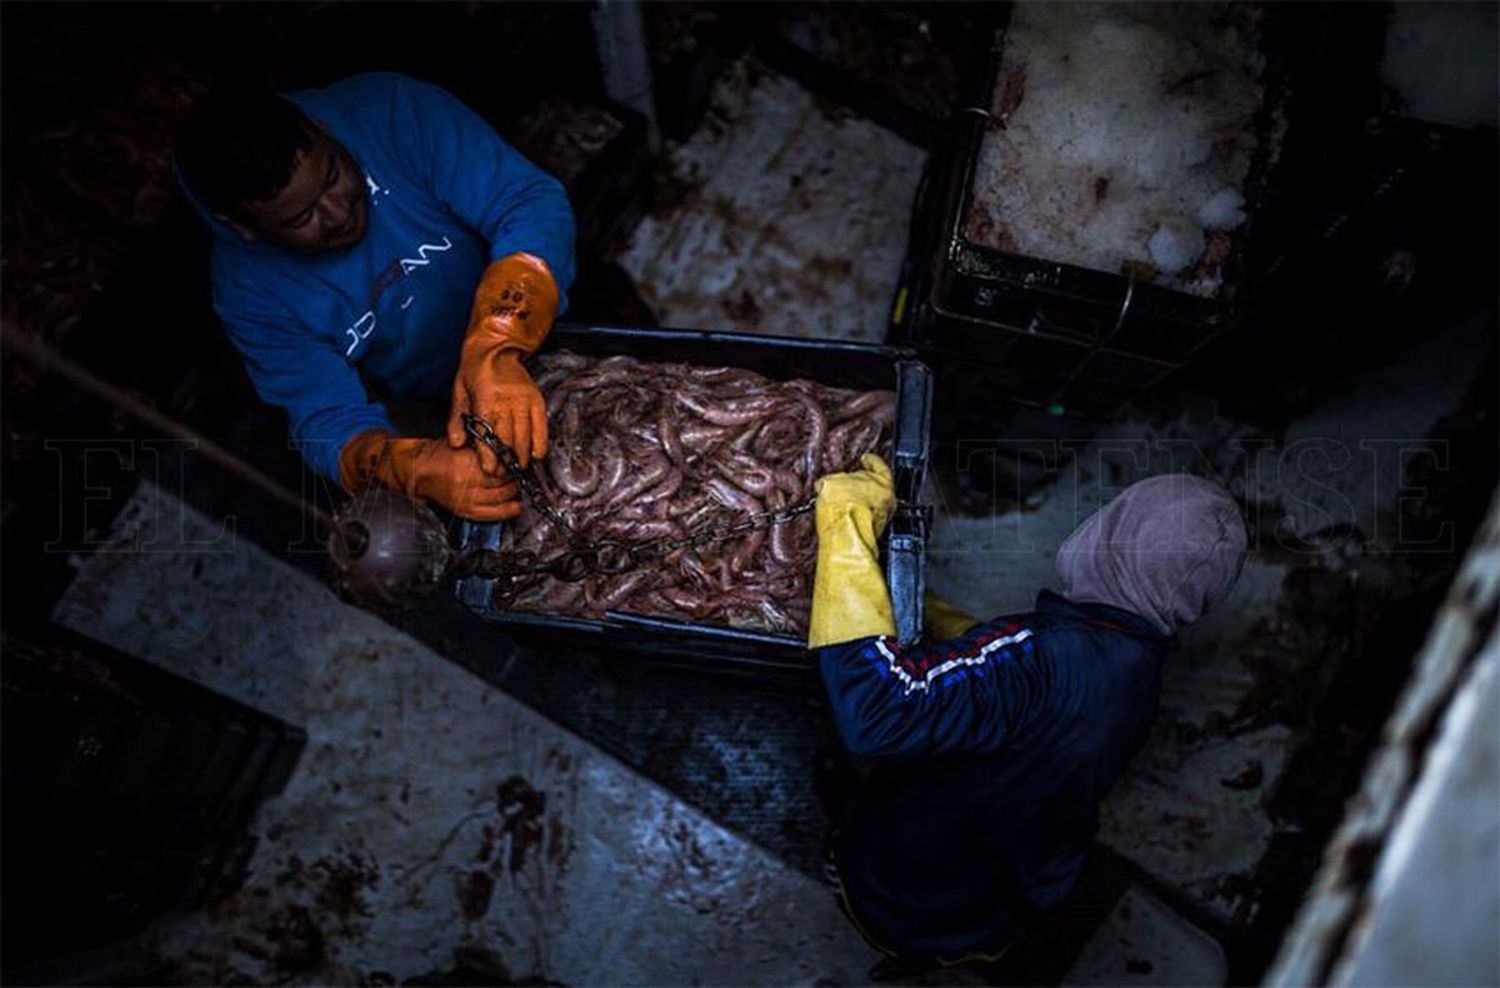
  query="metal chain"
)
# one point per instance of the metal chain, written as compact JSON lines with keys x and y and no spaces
{"x":609,"y":556}
{"x":531,"y":491}
{"x":666,"y":545}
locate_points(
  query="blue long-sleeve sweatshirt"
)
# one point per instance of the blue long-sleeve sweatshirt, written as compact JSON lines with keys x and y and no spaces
{"x":989,"y":755}
{"x":447,"y":197}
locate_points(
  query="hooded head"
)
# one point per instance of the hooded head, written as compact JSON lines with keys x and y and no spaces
{"x":1167,"y":548}
{"x":262,"y":168}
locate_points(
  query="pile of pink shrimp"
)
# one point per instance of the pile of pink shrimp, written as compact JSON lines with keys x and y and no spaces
{"x":640,"y":452}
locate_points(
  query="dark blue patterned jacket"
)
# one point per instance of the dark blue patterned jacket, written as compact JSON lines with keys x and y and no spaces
{"x":990,"y":754}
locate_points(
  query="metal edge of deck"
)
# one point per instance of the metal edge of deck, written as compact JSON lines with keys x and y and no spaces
{"x":1430,"y":729}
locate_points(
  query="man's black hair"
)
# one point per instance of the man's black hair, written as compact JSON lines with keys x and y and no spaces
{"x":238,"y":144}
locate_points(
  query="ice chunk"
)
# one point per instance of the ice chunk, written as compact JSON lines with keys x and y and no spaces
{"x":1224,"y":210}
{"x":1109,"y":119}
{"x":1175,"y":246}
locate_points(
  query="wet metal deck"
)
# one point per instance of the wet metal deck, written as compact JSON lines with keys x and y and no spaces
{"x":431,"y":812}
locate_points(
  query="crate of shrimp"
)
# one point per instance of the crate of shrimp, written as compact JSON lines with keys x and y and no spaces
{"x":702,"y":449}
{"x":1088,"y":225}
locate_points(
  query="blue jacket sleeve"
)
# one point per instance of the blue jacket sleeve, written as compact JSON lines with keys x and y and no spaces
{"x":322,"y":395}
{"x":485,"y":182}
{"x":968,"y":695}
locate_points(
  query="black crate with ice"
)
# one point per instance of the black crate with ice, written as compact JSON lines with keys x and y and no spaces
{"x":1087,"y":226}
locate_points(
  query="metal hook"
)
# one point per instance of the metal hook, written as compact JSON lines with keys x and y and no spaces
{"x":1124,"y":308}
{"x":613,"y":557}
{"x":575,"y":566}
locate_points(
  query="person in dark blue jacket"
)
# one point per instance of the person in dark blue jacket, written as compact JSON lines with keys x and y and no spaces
{"x":380,"y":233}
{"x":989,"y":750}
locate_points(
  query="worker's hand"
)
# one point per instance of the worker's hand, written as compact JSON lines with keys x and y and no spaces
{"x":850,"y":599}
{"x":514,"y":306}
{"x":870,"y":489}
{"x":496,"y":387}
{"x":428,"y":469}
{"x":454,"y":479}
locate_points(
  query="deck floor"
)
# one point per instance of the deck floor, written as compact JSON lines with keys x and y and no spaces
{"x":586,"y":821}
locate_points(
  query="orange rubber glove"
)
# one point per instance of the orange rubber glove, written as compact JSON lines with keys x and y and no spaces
{"x":427,"y":468}
{"x":513,"y":311}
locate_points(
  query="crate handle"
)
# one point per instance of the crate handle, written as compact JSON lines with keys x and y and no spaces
{"x":1056,"y":400}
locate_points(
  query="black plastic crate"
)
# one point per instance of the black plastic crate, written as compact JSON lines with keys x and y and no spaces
{"x":837,"y":364}
{"x":1104,"y":336}
{"x":128,"y":792}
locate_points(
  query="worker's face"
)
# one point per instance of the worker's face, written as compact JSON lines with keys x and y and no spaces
{"x":324,"y":206}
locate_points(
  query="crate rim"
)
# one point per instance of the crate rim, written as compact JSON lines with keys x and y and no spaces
{"x":790,"y":651}
{"x":1214,"y":313}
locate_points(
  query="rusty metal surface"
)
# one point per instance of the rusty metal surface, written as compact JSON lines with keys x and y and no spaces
{"x":432,"y":813}
{"x":1407,"y":892}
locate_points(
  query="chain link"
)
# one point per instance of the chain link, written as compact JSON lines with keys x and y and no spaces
{"x":531,"y":491}
{"x":609,"y":556}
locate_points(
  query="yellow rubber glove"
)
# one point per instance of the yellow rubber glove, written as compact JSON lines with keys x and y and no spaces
{"x":942,"y":620}
{"x":513,"y":311}
{"x":850,"y":599}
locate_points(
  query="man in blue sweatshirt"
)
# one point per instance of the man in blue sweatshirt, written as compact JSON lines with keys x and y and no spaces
{"x":379,"y":234}
{"x":989,"y":747}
